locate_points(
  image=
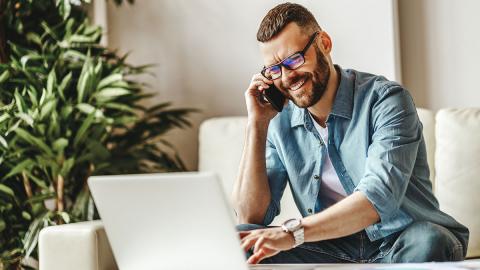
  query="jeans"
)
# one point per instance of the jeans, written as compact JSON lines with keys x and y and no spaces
{"x":419,"y":242}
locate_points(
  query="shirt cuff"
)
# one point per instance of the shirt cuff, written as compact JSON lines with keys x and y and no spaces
{"x":272,"y":211}
{"x":380,"y":197}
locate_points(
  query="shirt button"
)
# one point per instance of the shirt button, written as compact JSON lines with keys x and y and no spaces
{"x":316,"y":177}
{"x":309,"y":210}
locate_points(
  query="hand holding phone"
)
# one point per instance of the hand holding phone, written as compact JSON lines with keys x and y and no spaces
{"x":274,"y":97}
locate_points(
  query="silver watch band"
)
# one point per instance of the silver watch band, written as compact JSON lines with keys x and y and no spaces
{"x":299,"y":237}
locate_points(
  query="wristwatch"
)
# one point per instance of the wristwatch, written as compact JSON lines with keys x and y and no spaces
{"x":295,"y":227}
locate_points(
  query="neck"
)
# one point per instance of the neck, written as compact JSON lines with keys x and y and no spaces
{"x":323,"y":107}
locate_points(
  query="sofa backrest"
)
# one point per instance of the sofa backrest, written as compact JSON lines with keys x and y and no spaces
{"x":457,"y":164}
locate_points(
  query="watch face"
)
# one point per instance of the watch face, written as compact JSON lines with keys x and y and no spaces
{"x":292,"y":224}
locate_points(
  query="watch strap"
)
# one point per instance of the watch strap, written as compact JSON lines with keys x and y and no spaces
{"x":299,"y":236}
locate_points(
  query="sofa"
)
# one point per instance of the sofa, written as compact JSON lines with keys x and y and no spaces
{"x":453,"y":146}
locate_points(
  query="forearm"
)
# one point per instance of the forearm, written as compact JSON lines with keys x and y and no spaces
{"x":351,"y":215}
{"x":251,"y":192}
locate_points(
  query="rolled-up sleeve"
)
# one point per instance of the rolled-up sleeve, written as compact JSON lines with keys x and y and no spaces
{"x":396,"y":135}
{"x":277,"y":180}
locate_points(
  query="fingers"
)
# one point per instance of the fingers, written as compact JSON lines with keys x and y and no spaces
{"x":258,"y":245}
{"x":256,"y":257}
{"x":259,"y":82}
{"x":262,"y":253}
{"x":260,"y":77}
{"x":258,"y":108}
{"x":242,"y":234}
{"x":248,"y":242}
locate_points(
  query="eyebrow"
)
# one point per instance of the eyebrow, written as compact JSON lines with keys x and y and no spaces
{"x":311,"y":39}
{"x":279,"y":61}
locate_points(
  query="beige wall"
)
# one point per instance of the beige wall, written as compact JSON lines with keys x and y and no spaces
{"x":440,"y":52}
{"x":180,"y":36}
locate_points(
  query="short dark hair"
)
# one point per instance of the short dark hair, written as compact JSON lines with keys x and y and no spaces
{"x":281,"y":15}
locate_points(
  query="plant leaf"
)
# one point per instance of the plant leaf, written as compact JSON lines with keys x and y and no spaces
{"x":67,"y":166}
{"x":31,"y":237}
{"x":20,"y":167}
{"x":3,"y":142}
{"x":25,"y":117}
{"x":47,"y":108}
{"x":32,"y":140}
{"x":110,"y":93}
{"x":89,"y":109}
{"x":5,"y":189}
{"x":83,"y":80}
{"x":19,"y":101}
{"x":109,"y":80}
{"x":51,"y":81}
{"x":5,"y":75}
{"x":3,"y":225}
{"x":83,"y":129}
{"x":60,"y":144}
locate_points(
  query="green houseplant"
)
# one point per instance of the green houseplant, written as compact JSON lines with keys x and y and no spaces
{"x":69,"y":108}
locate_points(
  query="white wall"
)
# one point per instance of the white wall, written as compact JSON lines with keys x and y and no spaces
{"x":440,"y":48}
{"x":182,"y":36}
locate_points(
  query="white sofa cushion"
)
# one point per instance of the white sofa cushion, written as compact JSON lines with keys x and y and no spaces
{"x":82,"y":245}
{"x":220,"y":147}
{"x":458,"y":169}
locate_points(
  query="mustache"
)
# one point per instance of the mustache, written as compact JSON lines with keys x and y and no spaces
{"x":286,"y":85}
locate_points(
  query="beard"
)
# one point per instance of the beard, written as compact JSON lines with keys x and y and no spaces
{"x":319,"y":77}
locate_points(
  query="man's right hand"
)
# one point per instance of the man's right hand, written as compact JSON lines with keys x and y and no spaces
{"x":258,"y":110}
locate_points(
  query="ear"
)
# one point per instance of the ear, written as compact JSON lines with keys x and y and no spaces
{"x":325,"y":42}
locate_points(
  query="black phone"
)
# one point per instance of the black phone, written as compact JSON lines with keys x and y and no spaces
{"x":274,"y":97}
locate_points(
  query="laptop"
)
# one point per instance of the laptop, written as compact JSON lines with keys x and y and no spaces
{"x":168,"y":221}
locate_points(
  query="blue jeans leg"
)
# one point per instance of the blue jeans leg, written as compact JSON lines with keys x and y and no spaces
{"x":424,"y":242}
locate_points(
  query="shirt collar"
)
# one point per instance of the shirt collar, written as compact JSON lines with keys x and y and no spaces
{"x":342,"y":105}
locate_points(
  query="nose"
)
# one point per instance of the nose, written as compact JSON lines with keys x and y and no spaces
{"x":288,"y":75}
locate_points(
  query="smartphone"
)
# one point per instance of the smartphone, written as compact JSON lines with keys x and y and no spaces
{"x":274,"y":97}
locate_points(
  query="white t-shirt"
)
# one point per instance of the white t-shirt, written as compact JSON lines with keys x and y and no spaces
{"x":331,"y":190}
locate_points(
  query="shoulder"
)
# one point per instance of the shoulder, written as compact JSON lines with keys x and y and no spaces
{"x":377,"y":90}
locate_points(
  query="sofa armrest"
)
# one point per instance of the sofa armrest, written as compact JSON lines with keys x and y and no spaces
{"x":82,"y":245}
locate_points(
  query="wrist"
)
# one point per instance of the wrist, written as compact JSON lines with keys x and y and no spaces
{"x":257,"y":124}
{"x":295,"y":228}
{"x":291,"y":238}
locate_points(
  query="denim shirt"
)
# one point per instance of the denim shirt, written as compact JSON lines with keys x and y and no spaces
{"x":376,"y":147}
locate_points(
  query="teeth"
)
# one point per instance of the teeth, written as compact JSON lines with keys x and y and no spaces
{"x":297,"y":85}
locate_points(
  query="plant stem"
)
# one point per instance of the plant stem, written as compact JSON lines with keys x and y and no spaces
{"x":26,"y":184}
{"x":91,"y":169}
{"x":60,"y":185}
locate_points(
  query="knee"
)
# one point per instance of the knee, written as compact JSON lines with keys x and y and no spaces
{"x":248,"y":227}
{"x":427,"y":242}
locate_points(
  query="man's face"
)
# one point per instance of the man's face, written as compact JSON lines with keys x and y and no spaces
{"x":306,"y":84}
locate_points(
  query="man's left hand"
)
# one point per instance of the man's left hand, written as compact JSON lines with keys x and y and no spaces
{"x":266,"y":243}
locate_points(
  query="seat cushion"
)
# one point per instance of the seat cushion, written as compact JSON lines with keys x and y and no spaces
{"x":457,"y":168}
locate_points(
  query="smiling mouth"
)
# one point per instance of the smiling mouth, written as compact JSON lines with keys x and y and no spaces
{"x":297,"y":85}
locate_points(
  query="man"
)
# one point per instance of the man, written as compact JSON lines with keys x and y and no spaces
{"x":350,"y":145}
